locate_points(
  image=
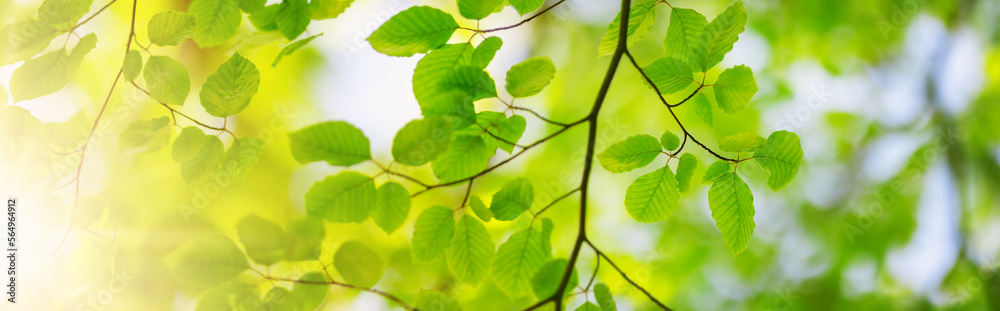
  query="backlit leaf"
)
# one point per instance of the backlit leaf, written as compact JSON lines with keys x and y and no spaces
{"x":392,"y":204}
{"x":685,"y":27}
{"x":131,"y":65}
{"x":324,"y":9}
{"x":358,"y":264}
{"x":652,"y":197}
{"x":49,"y":73}
{"x":685,"y":168}
{"x":466,"y":156}
{"x":632,"y":153}
{"x":263,"y":240}
{"x":641,"y":18}
{"x":734,"y":89}
{"x":486,"y":51}
{"x":517,"y":260}
{"x":780,"y":156}
{"x":433,"y":232}
{"x":545,"y":282}
{"x":603,"y":295}
{"x":530,"y":76}
{"x":718,"y":37}
{"x":166,"y":80}
{"x":171,"y":27}
{"x":515,"y":198}
{"x":471,"y":252}
{"x":732,"y":208}
{"x":217,"y":20}
{"x":421,"y":141}
{"x":479,"y":9}
{"x":415,"y":30}
{"x":743,"y":142}
{"x":293,"y":18}
{"x":337,"y":142}
{"x":670,"y":75}
{"x":208,"y":260}
{"x":526,"y":6}
{"x":345,"y":197}
{"x":145,"y":135}
{"x":291,"y":48}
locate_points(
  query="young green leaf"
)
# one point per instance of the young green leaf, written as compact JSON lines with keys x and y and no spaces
{"x":433,"y":233}
{"x":632,"y":153}
{"x":265,"y":19}
{"x":415,"y":30}
{"x":545,"y":282}
{"x":325,"y":9}
{"x":486,"y":51}
{"x":345,"y":197}
{"x":143,"y":135}
{"x":501,"y":131}
{"x":217,"y":20}
{"x":652,"y":197}
{"x":685,"y":168}
{"x":207,"y":161}
{"x":588,"y":306}
{"x":480,"y":209}
{"x":603,"y":295}
{"x":669,"y":141}
{"x":358,"y":264}
{"x":421,"y":141}
{"x":471,"y":252}
{"x":734,"y":89}
{"x":305,"y":238}
{"x":293,"y":18}
{"x":188,"y":144}
{"x":703,"y":108}
{"x":337,"y":142}
{"x":263,"y":240}
{"x":24,"y":39}
{"x":454,"y":105}
{"x":466,"y":156}
{"x":207,"y":261}
{"x":714,"y":171}
{"x":240,"y":158}
{"x":233,"y":295}
{"x":63,"y":12}
{"x":530,"y":76}
{"x":279,"y":298}
{"x":479,"y":9}
{"x":251,"y":6}
{"x":641,"y":18}
{"x":166,"y":80}
{"x":780,"y":156}
{"x":515,"y":198}
{"x":229,"y":90}
{"x":436,"y":301}
{"x":732,"y":208}
{"x":392,"y":204}
{"x":517,"y":261}
{"x":743,"y":142}
{"x":434,"y":67}
{"x":526,"y":6}
{"x":170,"y":27}
{"x":291,"y":48}
{"x":470,"y":79}
{"x":308,"y":295}
{"x":49,"y":73}
{"x":131,"y":65}
{"x":682,"y":34}
{"x":718,"y":37}
{"x":670,"y":75}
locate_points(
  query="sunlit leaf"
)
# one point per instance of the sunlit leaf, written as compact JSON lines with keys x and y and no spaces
{"x":734,"y":89}
{"x":526,"y":6}
{"x":529,"y":77}
{"x":498,"y":131}
{"x":714,"y":171}
{"x":433,"y":232}
{"x":517,"y":260}
{"x":703,"y":108}
{"x":685,"y":168}
{"x":251,"y":6}
{"x":231,"y":296}
{"x":63,"y":12}
{"x":291,"y":48}
{"x":265,"y":19}
{"x":466,"y":156}
{"x":471,"y":252}
{"x":358,"y":264}
{"x":421,"y":141}
{"x":682,"y":34}
{"x":305,"y":237}
{"x":732,"y":208}
{"x":24,"y":39}
{"x":324,"y":9}
{"x":515,"y":198}
{"x":49,"y":73}
{"x":436,"y":301}
{"x":652,"y":197}
{"x":345,"y":197}
{"x":415,"y":30}
{"x":310,"y":296}
{"x":669,"y":141}
{"x":392,"y":205}
{"x":263,"y":240}
{"x":603,"y":295}
{"x":670,"y":75}
{"x":479,"y":9}
{"x":588,"y":306}
{"x":208,"y":260}
{"x":336,"y":142}
{"x":545,"y":282}
{"x":171,"y":27}
{"x":641,"y":18}
{"x":480,"y":209}
{"x":240,"y":158}
{"x":486,"y":51}
{"x":780,"y":156}
{"x":632,"y":153}
{"x":145,"y":135}
{"x":293,"y":18}
{"x":131,"y":65}
{"x":718,"y":37}
{"x":743,"y":142}
{"x":217,"y":20}
{"x":166,"y":80}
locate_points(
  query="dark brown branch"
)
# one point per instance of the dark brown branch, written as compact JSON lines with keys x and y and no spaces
{"x":540,"y":117}
{"x":526,"y":20}
{"x":556,"y":201}
{"x":613,"y":265}
{"x":386,"y":295}
{"x":175,"y":111}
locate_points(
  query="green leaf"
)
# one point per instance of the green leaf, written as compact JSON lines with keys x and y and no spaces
{"x":545,"y":282}
{"x":392,"y":204}
{"x":166,"y":80}
{"x":305,"y":238}
{"x":432,"y":233}
{"x":63,"y":12}
{"x":703,"y":108}
{"x":437,"y":101}
{"x":685,"y":27}
{"x":714,"y":171}
{"x":509,"y":130}
{"x":670,"y":141}
{"x":526,"y":6}
{"x":479,"y":9}
{"x":24,"y":39}
{"x":471,"y":79}
{"x":718,"y":37}
{"x":603,"y":295}
{"x":734,"y":89}
{"x":232,"y":296}
{"x":732,"y":208}
{"x":515,"y":198}
{"x":240,"y":158}
{"x":229,"y":90}
{"x":780,"y":156}
{"x":421,"y":141}
{"x":530,"y":76}
{"x":279,"y":299}
{"x":217,"y":20}
{"x":337,"y":142}
{"x":293,"y":18}
{"x":588,"y":306}
{"x":466,"y":156}
{"x":251,"y":6}
{"x":480,"y":209}
{"x":208,"y":260}
{"x":358,"y":264}
{"x":206,"y":162}
{"x":266,"y":18}
{"x":471,"y":253}
{"x":436,"y":301}
{"x":454,"y":105}
{"x":685,"y":168}
{"x":49,"y":73}
{"x":131,"y":65}
{"x":188,"y":144}
{"x":170,"y":27}
{"x":309,"y":296}
{"x":486,"y":51}
{"x":325,"y":9}
{"x":641,"y":18}
{"x":263,"y":240}
{"x":652,"y":197}
{"x":743,"y":142}
{"x":291,"y":48}
{"x":415,"y":30}
{"x":143,"y":135}
{"x":670,"y":75}
{"x":517,"y":260}
{"x":345,"y":197}
{"x":632,"y":153}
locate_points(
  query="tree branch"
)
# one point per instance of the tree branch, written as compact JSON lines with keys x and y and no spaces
{"x":650,"y":296}
{"x":386,"y":295}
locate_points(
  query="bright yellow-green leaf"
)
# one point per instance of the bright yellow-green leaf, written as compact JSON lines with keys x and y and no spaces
{"x":145,"y":135}
{"x":743,"y":142}
{"x":632,"y":153}
{"x":24,"y":39}
{"x":780,"y":156}
{"x":166,"y":80}
{"x":588,"y":306}
{"x":240,"y":158}
{"x":669,"y":141}
{"x":392,"y":204}
{"x":641,"y":18}
{"x":251,"y":6}
{"x":421,"y":141}
{"x":415,"y":30}
{"x":293,"y":18}
{"x":685,"y":168}
{"x":324,"y":9}
{"x":436,"y":301}
{"x":670,"y":75}
{"x":517,"y":260}
{"x":345,"y":197}
{"x":229,"y":90}
{"x":471,"y":252}
{"x":479,"y":9}
{"x":497,"y":130}
{"x":526,"y":6}
{"x":486,"y":51}
{"x":432,"y":233}
{"x":734,"y":89}
{"x":171,"y":27}
{"x":217,"y":20}
{"x":603,"y":295}
{"x":206,"y":162}
{"x":652,"y":197}
{"x":291,"y":48}
{"x":358,"y":264}
{"x":336,"y":142}
{"x":231,"y":296}
{"x":466,"y":156}
{"x":703,"y":108}
{"x":732,"y":208}
{"x":682,"y":34}
{"x":305,"y":238}
{"x":278,"y":299}
{"x":480,"y":209}
{"x":530,"y":76}
{"x":515,"y":198}
{"x":131,"y":65}
{"x":207,"y":260}
{"x":49,"y":73}
{"x":264,"y":241}
{"x":265,"y":19}
{"x":714,"y":171}
{"x":63,"y":12}
{"x":309,"y":296}
{"x":545,"y":282}
{"x":718,"y":37}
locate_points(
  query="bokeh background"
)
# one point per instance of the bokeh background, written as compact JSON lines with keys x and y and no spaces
{"x":895,"y":207}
